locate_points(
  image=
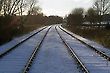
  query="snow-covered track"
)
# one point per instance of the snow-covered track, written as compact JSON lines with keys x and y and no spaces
{"x":103,"y":54}
{"x":18,"y":60}
{"x":53,"y":57}
{"x":74,"y":55}
{"x":2,"y":54}
{"x":94,"y":62}
{"x":33,"y":55}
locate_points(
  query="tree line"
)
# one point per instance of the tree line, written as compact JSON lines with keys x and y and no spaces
{"x":97,"y":14}
{"x":11,"y":15}
{"x":11,"y":8}
{"x":16,"y":14}
{"x":43,"y":19}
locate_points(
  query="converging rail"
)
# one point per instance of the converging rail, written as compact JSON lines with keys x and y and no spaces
{"x":73,"y":54}
{"x":54,"y":49}
{"x":104,"y":55}
{"x":14,"y":47}
{"x":31,"y":59}
{"x":53,"y":57}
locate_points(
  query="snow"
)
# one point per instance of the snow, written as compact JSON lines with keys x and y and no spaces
{"x":91,"y":60}
{"x":16,"y":40}
{"x":15,"y":61}
{"x":53,"y":57}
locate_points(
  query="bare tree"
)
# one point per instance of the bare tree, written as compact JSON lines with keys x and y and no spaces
{"x":75,"y":18}
{"x":30,"y":5}
{"x":91,"y":15}
{"x":78,"y":11}
{"x":35,"y":11}
{"x":17,"y":7}
{"x":102,"y":6}
{"x":11,"y":16}
{"x":1,"y":2}
{"x":10,"y":8}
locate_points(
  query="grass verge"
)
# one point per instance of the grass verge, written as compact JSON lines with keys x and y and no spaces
{"x":17,"y":33}
{"x":99,"y":35}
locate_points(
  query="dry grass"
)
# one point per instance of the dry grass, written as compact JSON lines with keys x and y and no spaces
{"x":28,"y":28}
{"x":102,"y":36}
{"x":18,"y":33}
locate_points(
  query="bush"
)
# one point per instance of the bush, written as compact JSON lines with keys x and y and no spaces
{"x":107,"y":27}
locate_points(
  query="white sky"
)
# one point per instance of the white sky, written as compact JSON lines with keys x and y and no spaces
{"x":62,"y":7}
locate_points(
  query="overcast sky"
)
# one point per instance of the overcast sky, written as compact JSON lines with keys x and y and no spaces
{"x":62,"y":7}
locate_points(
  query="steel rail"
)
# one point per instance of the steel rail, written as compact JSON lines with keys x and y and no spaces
{"x":104,"y":55}
{"x":73,"y":54}
{"x":14,"y":47}
{"x":33,"y":55}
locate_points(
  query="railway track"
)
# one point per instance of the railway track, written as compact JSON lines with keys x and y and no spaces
{"x":103,"y":54}
{"x":53,"y":57}
{"x":33,"y":55}
{"x":23,"y":55}
{"x":2,"y":54}
{"x":73,"y":54}
{"x":92,"y":61}
{"x":64,"y":53}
